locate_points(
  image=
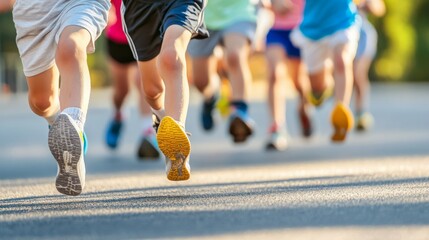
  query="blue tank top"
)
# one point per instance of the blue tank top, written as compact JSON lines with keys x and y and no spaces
{"x":325,"y":17}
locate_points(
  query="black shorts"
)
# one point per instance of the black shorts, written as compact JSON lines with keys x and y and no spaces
{"x":120,"y":52}
{"x":145,"y":22}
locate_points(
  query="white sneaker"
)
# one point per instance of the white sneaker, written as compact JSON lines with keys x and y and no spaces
{"x":66,"y":143}
{"x":277,"y":141}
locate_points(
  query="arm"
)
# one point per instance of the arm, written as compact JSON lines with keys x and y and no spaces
{"x":6,"y":5}
{"x":281,"y":7}
{"x":374,"y":7}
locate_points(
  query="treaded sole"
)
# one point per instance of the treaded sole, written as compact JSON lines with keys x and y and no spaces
{"x":66,"y":147}
{"x":342,"y":121}
{"x":175,"y":145}
{"x":239,"y":130}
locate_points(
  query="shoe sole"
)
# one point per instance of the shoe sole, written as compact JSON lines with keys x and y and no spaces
{"x":342,"y":121}
{"x":66,"y":147}
{"x":175,"y":145}
{"x":274,"y":147}
{"x":239,"y":130}
{"x":147,"y":151}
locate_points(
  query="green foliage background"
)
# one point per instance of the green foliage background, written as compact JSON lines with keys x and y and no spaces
{"x":403,"y":53}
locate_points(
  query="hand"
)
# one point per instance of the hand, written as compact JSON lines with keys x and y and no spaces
{"x":281,"y":7}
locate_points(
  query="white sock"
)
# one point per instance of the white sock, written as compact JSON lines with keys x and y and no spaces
{"x":51,"y":119}
{"x":76,"y":114}
{"x":160,"y":113}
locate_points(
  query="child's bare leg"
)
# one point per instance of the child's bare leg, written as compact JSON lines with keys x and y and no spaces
{"x":361,"y":82}
{"x":122,"y":75}
{"x":71,"y":58}
{"x":153,"y":86}
{"x":204,"y":72}
{"x":343,"y":73}
{"x":237,"y":50}
{"x":319,"y":80}
{"x":276,"y":94}
{"x":172,"y":68}
{"x":299,"y":77}
{"x":43,"y":94}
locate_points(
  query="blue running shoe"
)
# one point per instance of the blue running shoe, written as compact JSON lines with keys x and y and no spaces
{"x":113,"y":133}
{"x":241,"y":126}
{"x":85,"y":143}
{"x":148,"y":149}
{"x":207,"y":113}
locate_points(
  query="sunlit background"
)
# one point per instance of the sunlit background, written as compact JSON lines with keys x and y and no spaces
{"x":403,"y":49}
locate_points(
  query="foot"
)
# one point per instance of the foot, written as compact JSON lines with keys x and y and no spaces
{"x":240,"y":126}
{"x":148,"y":148}
{"x":66,"y":143}
{"x":342,"y":121}
{"x":113,"y":133}
{"x":277,"y":141}
{"x":207,"y":119}
{"x":305,"y":121}
{"x":364,"y":121}
{"x":174,"y":144}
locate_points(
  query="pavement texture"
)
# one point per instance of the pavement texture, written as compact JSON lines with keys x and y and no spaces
{"x":374,"y":186}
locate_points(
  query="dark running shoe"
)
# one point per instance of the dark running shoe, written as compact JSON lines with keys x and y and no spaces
{"x":148,"y":148}
{"x":207,"y":119}
{"x":305,"y":121}
{"x":240,"y":126}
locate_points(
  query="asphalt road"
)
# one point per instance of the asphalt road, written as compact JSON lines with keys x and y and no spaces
{"x":374,"y":186}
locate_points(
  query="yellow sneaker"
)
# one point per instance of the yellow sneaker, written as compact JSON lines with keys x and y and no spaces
{"x":222,"y":104}
{"x":317,"y":99}
{"x":174,"y":144}
{"x":342,"y":121}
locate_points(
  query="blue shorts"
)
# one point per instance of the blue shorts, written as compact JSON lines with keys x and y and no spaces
{"x":282,"y":37}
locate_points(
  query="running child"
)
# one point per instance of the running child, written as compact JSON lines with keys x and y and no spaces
{"x":328,"y":36}
{"x":284,"y":62}
{"x":232,"y":25}
{"x":124,"y":70}
{"x":367,"y":49}
{"x":53,"y":39}
{"x":158,"y":33}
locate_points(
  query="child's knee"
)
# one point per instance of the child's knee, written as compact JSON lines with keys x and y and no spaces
{"x":153,"y":92}
{"x":233,"y":59}
{"x":71,"y":46}
{"x":40,"y":104}
{"x":170,"y":60}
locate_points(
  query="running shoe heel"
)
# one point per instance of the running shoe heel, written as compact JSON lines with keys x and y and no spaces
{"x":342,"y":121}
{"x":66,"y":145}
{"x":174,"y":144}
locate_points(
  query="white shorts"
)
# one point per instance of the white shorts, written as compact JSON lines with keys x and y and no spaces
{"x":368,"y":40}
{"x":318,"y":54}
{"x":39,"y":24}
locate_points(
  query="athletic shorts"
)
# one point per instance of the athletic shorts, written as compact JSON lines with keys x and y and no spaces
{"x":282,"y":37}
{"x":39,"y":24}
{"x":368,"y":41}
{"x":205,"y":47}
{"x":318,"y":54}
{"x":120,"y":52}
{"x":145,"y":23}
